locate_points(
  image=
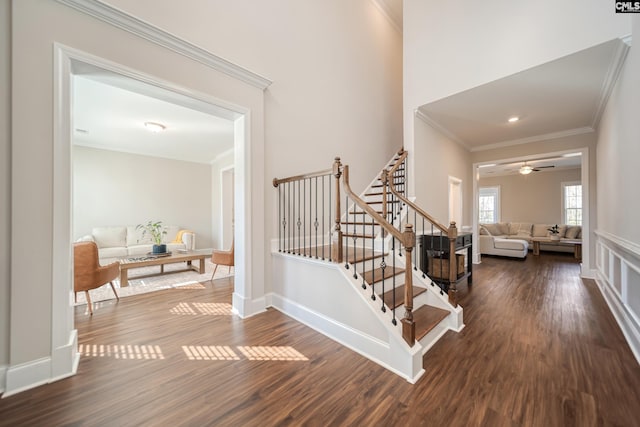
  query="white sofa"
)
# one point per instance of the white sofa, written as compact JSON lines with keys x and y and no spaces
{"x":497,"y":239}
{"x":125,"y":241}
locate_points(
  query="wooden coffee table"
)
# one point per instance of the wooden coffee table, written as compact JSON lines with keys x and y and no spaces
{"x":149,"y":260}
{"x":577,"y":245}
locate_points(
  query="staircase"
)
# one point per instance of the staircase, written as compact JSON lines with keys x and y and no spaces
{"x":371,"y":242}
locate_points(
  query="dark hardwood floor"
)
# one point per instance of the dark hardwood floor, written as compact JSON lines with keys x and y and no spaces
{"x":540,"y":349}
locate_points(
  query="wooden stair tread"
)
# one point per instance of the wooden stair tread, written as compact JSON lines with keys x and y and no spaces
{"x":359,"y":223}
{"x":426,"y":318}
{"x":387,"y":297}
{"x":358,"y":235}
{"x":360,"y":254}
{"x":376,"y":274}
{"x":362,"y":212}
{"x":380,"y":202}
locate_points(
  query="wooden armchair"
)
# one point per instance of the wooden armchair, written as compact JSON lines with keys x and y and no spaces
{"x":88,"y":273}
{"x":219,"y":257}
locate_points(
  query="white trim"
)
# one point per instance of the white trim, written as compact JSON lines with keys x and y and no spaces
{"x":222,"y":155}
{"x":145,"y":30}
{"x":535,"y":138}
{"x":3,"y":377}
{"x":27,"y":375}
{"x":610,"y":80}
{"x":384,"y":8}
{"x":627,"y":40}
{"x":434,"y":124}
{"x":626,"y":245}
{"x":616,"y":257}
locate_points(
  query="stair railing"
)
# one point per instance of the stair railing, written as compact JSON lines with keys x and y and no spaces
{"x":405,"y":238}
{"x":307,"y":214}
{"x":437,"y":237}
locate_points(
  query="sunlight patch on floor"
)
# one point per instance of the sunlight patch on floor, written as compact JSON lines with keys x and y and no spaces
{"x":271,"y":353}
{"x":209,"y":352}
{"x":203,"y":308}
{"x":137,"y":352}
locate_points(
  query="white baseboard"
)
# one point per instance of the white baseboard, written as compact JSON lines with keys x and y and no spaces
{"x":245,"y":307}
{"x":27,"y":375}
{"x":3,"y":377}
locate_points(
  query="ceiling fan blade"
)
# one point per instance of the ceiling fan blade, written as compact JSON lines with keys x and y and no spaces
{"x":544,"y":167}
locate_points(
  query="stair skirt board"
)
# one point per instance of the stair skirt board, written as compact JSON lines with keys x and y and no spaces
{"x":352,"y":317}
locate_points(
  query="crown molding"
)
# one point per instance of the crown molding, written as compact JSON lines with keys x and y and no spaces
{"x":388,"y":13}
{"x":610,"y":79}
{"x":428,"y":120}
{"x":536,"y":138}
{"x":140,"y":28}
{"x":627,"y":39}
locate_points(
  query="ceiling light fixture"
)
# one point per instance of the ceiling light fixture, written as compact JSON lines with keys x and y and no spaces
{"x":525,"y":169}
{"x":514,"y":119}
{"x":154,"y":127}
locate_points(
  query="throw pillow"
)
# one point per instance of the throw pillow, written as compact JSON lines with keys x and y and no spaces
{"x":492,"y":229}
{"x":572,"y":232}
{"x":540,"y":230}
{"x":520,"y":229}
{"x":484,"y":231}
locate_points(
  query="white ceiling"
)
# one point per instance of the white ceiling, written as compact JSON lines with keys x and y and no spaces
{"x":559,"y":98}
{"x":111,"y":117}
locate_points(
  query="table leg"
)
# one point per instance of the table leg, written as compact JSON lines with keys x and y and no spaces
{"x":577,"y":251}
{"x":536,"y":248}
{"x":201,"y":266}
{"x":124,"y":280}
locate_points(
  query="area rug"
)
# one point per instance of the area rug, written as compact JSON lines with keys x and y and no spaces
{"x":156,"y":283}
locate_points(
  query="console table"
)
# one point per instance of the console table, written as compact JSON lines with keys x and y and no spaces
{"x":437,"y":246}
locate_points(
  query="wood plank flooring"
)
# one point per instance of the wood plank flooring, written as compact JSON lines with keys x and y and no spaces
{"x":540,"y":349}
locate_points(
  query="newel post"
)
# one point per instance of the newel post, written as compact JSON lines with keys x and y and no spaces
{"x":408,"y":324}
{"x":337,"y":247}
{"x":453,"y":265}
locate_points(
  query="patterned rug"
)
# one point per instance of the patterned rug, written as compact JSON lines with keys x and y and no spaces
{"x":156,"y":283}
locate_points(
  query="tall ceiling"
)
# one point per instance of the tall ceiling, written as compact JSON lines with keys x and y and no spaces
{"x":110,"y":114}
{"x":559,"y":98}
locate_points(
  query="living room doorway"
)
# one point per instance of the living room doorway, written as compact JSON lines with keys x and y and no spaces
{"x":83,"y":66}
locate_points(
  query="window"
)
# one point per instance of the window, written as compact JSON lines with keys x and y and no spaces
{"x":572,"y":203}
{"x":489,"y":205}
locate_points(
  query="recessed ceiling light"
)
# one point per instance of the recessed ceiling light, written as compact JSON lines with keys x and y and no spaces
{"x":154,"y":127}
{"x":514,"y":119}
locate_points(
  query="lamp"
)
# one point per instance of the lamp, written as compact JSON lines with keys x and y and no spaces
{"x":525,"y":169}
{"x":154,"y":127}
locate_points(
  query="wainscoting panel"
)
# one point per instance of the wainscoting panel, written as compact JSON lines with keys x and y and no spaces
{"x":618,"y":278}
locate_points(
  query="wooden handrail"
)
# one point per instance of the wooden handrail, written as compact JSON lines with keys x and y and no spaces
{"x":277,"y":181}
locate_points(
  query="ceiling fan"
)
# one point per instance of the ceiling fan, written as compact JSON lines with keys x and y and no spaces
{"x":526,"y":169}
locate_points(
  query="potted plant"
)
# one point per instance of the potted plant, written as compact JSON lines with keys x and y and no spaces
{"x":156,"y":231}
{"x":554,"y":232}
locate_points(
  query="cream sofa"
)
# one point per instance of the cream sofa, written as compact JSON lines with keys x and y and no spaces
{"x":125,"y":241}
{"x":497,"y":239}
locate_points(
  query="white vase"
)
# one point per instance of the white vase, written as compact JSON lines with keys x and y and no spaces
{"x":555,"y":237}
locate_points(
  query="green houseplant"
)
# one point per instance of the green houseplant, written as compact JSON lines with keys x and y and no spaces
{"x":156,"y":231}
{"x":554,"y":232}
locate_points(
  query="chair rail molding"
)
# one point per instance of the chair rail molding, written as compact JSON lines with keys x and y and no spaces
{"x":123,"y":20}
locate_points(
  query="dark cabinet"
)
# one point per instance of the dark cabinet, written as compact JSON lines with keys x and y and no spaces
{"x":434,"y":258}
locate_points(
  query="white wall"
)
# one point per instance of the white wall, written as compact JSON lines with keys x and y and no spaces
{"x":534,"y":198}
{"x":41,"y":344}
{"x":436,"y":158}
{"x":454,"y":46}
{"x":5,"y":181}
{"x":618,"y":231}
{"x":618,"y":152}
{"x":336,"y":68}
{"x":114,"y":188}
